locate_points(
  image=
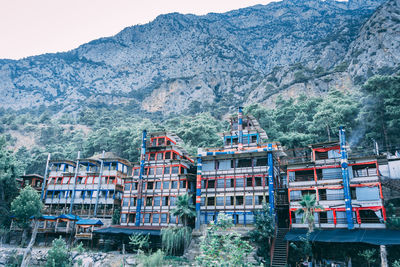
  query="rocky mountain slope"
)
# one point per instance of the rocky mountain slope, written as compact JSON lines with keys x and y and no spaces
{"x":181,"y":62}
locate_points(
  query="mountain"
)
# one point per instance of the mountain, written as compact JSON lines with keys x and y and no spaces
{"x":181,"y":63}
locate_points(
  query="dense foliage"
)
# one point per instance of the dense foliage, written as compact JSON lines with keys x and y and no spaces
{"x":175,"y":239}
{"x":263,"y":232}
{"x":221,"y":246}
{"x":26,"y":206}
{"x":9,"y":171}
{"x":58,"y":255}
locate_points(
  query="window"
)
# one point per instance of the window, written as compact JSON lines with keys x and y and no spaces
{"x":165,"y":201}
{"x":174,"y":184}
{"x":150,"y":185}
{"x":220,"y":201}
{"x":182,"y":184}
{"x":229,"y":201}
{"x":211,"y":184}
{"x":220,"y":183}
{"x":249,"y":181}
{"x":149,"y":201}
{"x":210,"y":201}
{"x":229,"y":183}
{"x":239,"y":200}
{"x":166,"y":171}
{"x":175,"y":170}
{"x":132,"y":218}
{"x":125,"y":202}
{"x":244,"y":163}
{"x":258,"y":181}
{"x":253,"y":139}
{"x":159,"y":170}
{"x":151,"y":171}
{"x":159,"y":156}
{"x":259,"y":200}
{"x":123,"y":218}
{"x":152,"y":156}
{"x":156,"y":217}
{"x":261,"y":161}
{"x":161,"y":141}
{"x":203,"y":201}
{"x":133,"y":201}
{"x":136,"y":172}
{"x":158,"y":185}
{"x":128,"y":187}
{"x":249,"y":200}
{"x":168,"y":155}
{"x":165,"y":185}
{"x":157,"y":201}
{"x":239,"y":182}
{"x":172,"y":201}
{"x":154,"y":141}
{"x":147,"y":218}
{"x":172,"y":218}
{"x":163,"y":218}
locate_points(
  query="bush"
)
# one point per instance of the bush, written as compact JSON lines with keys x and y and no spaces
{"x":223,"y":248}
{"x":152,"y":260}
{"x":58,"y":255}
{"x":175,"y":239}
{"x":79,"y":248}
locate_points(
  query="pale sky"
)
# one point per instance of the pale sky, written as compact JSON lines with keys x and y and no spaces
{"x":32,"y":27}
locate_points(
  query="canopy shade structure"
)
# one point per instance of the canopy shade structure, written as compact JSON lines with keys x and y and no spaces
{"x":89,"y":222}
{"x":70,"y":217}
{"x":127,"y":231}
{"x":45,"y":217}
{"x":372,"y":236}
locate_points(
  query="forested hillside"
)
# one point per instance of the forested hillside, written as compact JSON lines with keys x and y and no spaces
{"x":371,"y":114}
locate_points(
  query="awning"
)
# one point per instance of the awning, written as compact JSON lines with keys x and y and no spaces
{"x":89,"y":222}
{"x":127,"y":231}
{"x":369,"y":236}
{"x":70,"y":217}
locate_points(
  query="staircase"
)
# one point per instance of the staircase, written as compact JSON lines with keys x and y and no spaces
{"x":280,"y":246}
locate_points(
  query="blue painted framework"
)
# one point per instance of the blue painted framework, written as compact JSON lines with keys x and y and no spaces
{"x":346,"y":179}
{"x":198,"y":192}
{"x":142,"y":161}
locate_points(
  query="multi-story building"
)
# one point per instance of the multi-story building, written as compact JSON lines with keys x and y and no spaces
{"x":238,"y":177}
{"x":164,"y":173}
{"x":86,"y":187}
{"x":34,"y":180}
{"x":347,"y":187}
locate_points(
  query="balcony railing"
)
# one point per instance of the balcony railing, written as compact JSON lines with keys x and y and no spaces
{"x":339,"y":196}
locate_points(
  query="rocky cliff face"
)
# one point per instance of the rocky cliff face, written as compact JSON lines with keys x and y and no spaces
{"x":243,"y":56}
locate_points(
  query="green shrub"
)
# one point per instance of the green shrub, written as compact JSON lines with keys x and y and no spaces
{"x":153,"y":260}
{"x":58,"y":255}
{"x":175,"y":239}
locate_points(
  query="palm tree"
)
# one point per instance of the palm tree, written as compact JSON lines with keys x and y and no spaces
{"x":308,"y":207}
{"x":184,"y":209}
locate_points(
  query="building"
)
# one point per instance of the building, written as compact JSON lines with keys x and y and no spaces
{"x":238,"y":177}
{"x":165,"y":172}
{"x":34,"y":180}
{"x":346,"y":185}
{"x":88,"y":188}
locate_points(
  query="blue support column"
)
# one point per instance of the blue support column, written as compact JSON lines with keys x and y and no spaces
{"x":71,"y":207}
{"x":140,"y":187}
{"x":271,"y":189}
{"x":42,"y":195}
{"x":346,"y":179}
{"x":240,"y":128}
{"x":198,"y":191}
